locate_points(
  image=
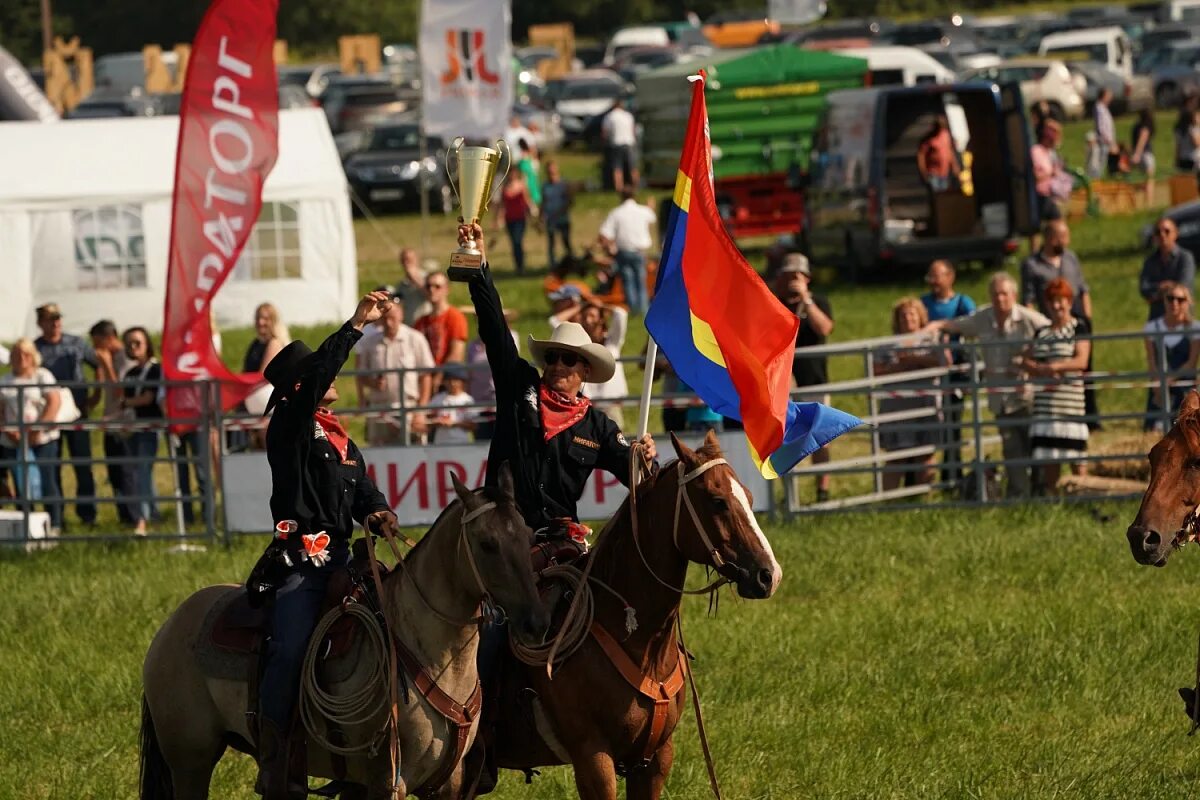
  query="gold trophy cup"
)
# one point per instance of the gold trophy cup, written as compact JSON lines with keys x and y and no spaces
{"x":471,"y":171}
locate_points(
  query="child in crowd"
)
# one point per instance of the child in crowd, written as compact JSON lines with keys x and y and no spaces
{"x":450,"y":423}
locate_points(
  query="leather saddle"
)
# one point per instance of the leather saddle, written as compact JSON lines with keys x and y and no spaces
{"x":241,"y":628}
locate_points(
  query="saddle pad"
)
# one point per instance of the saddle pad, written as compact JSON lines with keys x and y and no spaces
{"x":219,"y":662}
{"x":232,"y":633}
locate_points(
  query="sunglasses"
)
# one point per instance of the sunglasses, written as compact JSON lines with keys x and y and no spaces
{"x":555,"y":356}
{"x":1173,"y":298}
{"x":1165,"y":231}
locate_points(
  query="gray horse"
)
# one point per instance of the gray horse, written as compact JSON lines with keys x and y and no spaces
{"x":190,"y":717}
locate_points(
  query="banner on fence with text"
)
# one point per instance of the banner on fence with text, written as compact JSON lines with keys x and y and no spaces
{"x":416,"y":481}
{"x":466,"y":67}
{"x":228,"y":142}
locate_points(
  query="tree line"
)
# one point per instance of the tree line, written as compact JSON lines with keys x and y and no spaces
{"x":311,"y":27}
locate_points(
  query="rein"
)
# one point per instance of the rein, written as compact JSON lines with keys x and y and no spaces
{"x":682,"y":498}
{"x":394,"y":657}
{"x":402,"y":566}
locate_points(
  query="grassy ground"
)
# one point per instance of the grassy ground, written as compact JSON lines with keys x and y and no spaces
{"x":996,"y":654}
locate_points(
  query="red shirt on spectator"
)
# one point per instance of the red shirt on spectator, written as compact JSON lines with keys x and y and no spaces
{"x":442,"y":330}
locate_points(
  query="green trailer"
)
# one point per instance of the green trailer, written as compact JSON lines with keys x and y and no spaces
{"x":763,"y":105}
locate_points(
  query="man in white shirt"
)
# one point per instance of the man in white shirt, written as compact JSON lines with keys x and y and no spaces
{"x":620,"y":141}
{"x":626,"y":232}
{"x":396,"y":346}
{"x":1003,"y":329}
{"x":514,"y":133}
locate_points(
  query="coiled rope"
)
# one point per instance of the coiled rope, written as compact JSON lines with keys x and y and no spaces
{"x":574,"y":631}
{"x":358,"y":705}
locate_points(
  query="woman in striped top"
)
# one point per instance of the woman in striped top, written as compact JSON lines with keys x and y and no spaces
{"x":1058,"y":357}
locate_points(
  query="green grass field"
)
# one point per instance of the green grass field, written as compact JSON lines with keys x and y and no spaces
{"x":998,"y":654}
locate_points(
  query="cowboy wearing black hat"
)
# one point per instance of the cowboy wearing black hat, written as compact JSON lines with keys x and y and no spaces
{"x":319,"y":489}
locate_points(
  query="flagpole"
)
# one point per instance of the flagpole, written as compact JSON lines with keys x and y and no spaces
{"x":647,"y":388}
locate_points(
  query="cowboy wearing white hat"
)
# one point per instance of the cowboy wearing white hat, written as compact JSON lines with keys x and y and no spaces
{"x":545,"y":427}
{"x":553,"y":438}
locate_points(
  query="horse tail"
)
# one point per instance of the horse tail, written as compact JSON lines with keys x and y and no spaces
{"x":155,"y":774}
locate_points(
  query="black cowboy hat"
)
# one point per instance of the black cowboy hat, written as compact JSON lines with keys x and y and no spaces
{"x":286,"y":369}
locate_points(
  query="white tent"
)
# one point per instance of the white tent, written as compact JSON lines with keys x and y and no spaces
{"x":85,"y":216}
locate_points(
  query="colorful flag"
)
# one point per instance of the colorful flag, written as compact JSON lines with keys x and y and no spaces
{"x":228,"y":142}
{"x":724,"y":332}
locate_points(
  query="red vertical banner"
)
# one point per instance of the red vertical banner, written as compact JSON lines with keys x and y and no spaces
{"x":228,"y":142}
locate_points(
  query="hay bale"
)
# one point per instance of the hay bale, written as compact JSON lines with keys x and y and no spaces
{"x":1099,"y":485}
{"x":1122,"y":444}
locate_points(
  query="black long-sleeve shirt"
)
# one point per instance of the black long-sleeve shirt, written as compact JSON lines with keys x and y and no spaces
{"x":309,"y":482}
{"x":548,"y":476}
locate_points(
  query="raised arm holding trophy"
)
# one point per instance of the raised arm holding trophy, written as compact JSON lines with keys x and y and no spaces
{"x":472,"y":170}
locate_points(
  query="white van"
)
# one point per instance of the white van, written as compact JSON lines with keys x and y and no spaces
{"x":1182,"y":10}
{"x":1108,"y":46}
{"x":639,"y":36}
{"x":900,"y":66}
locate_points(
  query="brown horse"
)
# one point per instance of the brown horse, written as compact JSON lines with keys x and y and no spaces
{"x":1167,"y":518}
{"x":590,"y":715}
{"x":478,"y":547}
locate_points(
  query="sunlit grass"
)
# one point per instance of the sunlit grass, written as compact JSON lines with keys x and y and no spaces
{"x":999,"y":654}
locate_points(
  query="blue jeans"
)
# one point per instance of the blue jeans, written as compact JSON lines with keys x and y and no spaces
{"x":45,"y":456}
{"x":516,"y":235}
{"x":143,"y":445}
{"x":193,"y":443}
{"x":80,"y":445}
{"x":631,"y":266}
{"x":293,"y":617}
{"x":561,"y":228}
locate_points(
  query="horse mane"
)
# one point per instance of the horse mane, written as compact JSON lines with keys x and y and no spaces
{"x":607,"y":542}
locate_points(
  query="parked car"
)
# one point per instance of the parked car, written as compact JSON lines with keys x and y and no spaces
{"x":1130,"y":95}
{"x":352,"y":102}
{"x":931,"y":32}
{"x":1186,"y":217}
{"x":107,"y":103}
{"x":1041,"y":79}
{"x":1110,"y":46}
{"x":867,"y":208}
{"x":858,"y":32}
{"x":579,"y":97}
{"x":387,"y":170}
{"x":636,"y":36}
{"x":636,"y":60}
{"x":1173,"y":72}
{"x":402,"y":64}
{"x":738,"y":28}
{"x":1160,"y":35}
{"x":902,"y":66}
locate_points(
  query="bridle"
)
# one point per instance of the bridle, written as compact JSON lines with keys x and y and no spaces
{"x":492,"y":612}
{"x":1189,"y":529}
{"x":729,"y":573}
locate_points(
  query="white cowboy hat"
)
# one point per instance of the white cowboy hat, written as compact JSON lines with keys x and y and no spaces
{"x":571,"y":336}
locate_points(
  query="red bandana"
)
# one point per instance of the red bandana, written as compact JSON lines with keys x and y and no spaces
{"x":560,"y":412}
{"x":333,"y":430}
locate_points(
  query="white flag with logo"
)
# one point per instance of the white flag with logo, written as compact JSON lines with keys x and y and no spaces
{"x":466,"y":67}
